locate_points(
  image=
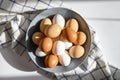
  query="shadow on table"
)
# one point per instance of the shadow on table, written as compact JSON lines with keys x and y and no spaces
{"x":24,"y":78}
{"x":16,"y":61}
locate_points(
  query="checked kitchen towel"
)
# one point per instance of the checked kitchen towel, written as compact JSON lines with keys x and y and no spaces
{"x":15,"y":17}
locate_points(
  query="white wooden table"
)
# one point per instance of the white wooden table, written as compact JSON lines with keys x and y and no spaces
{"x":104,"y":16}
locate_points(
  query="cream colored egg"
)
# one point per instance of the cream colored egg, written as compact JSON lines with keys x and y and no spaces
{"x":40,"y":53}
{"x":59,"y":19}
{"x":54,"y":31}
{"x":81,"y":38}
{"x":45,"y":22}
{"x":76,"y":51}
{"x":73,"y":24}
{"x":64,"y":59}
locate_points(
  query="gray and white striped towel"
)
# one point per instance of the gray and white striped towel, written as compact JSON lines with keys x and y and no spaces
{"x":15,"y":17}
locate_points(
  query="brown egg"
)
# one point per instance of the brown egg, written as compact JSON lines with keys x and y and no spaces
{"x":54,"y":31}
{"x":63,"y":35}
{"x":36,"y":37}
{"x":76,"y":51}
{"x":81,"y":39}
{"x":56,"y":39}
{"x":45,"y":22}
{"x":40,"y":46}
{"x":46,"y":44}
{"x":71,"y":34}
{"x":54,"y":48}
{"x":40,"y":43}
{"x":73,"y":24}
{"x":46,"y":30}
{"x":51,"y":61}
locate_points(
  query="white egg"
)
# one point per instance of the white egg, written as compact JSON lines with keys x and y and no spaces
{"x":60,"y":47}
{"x":39,"y":52}
{"x":67,"y":44}
{"x":65,"y":59}
{"x":59,"y":19}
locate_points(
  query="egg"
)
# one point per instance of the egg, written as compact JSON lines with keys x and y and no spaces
{"x":63,"y":35}
{"x":56,"y":39}
{"x":81,"y":39}
{"x":54,"y":31}
{"x":59,"y":19}
{"x":71,"y":35}
{"x":73,"y":24}
{"x":40,"y":53}
{"x":46,"y":44}
{"x":76,"y":51}
{"x":67,"y":44}
{"x":51,"y":61}
{"x":36,"y":37}
{"x":58,"y":47}
{"x":64,"y":59}
{"x":46,"y":30}
{"x":45,"y":22}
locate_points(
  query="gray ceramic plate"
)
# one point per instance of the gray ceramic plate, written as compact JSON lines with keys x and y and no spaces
{"x":34,"y":26}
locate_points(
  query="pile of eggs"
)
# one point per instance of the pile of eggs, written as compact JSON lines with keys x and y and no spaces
{"x":59,"y":41}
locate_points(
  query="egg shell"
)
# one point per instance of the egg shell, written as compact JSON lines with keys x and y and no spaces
{"x":45,"y":22}
{"x":63,"y":35}
{"x":46,"y":44}
{"x":40,"y":44}
{"x":59,"y":19}
{"x":56,"y":39}
{"x":51,"y":60}
{"x":71,"y":35}
{"x":81,"y":39}
{"x":54,"y":31}
{"x":58,"y":47}
{"x":76,"y":51}
{"x":36,"y":37}
{"x":67,"y":44}
{"x":46,"y":30}
{"x":40,"y":53}
{"x":73,"y":24}
{"x":64,"y":59}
